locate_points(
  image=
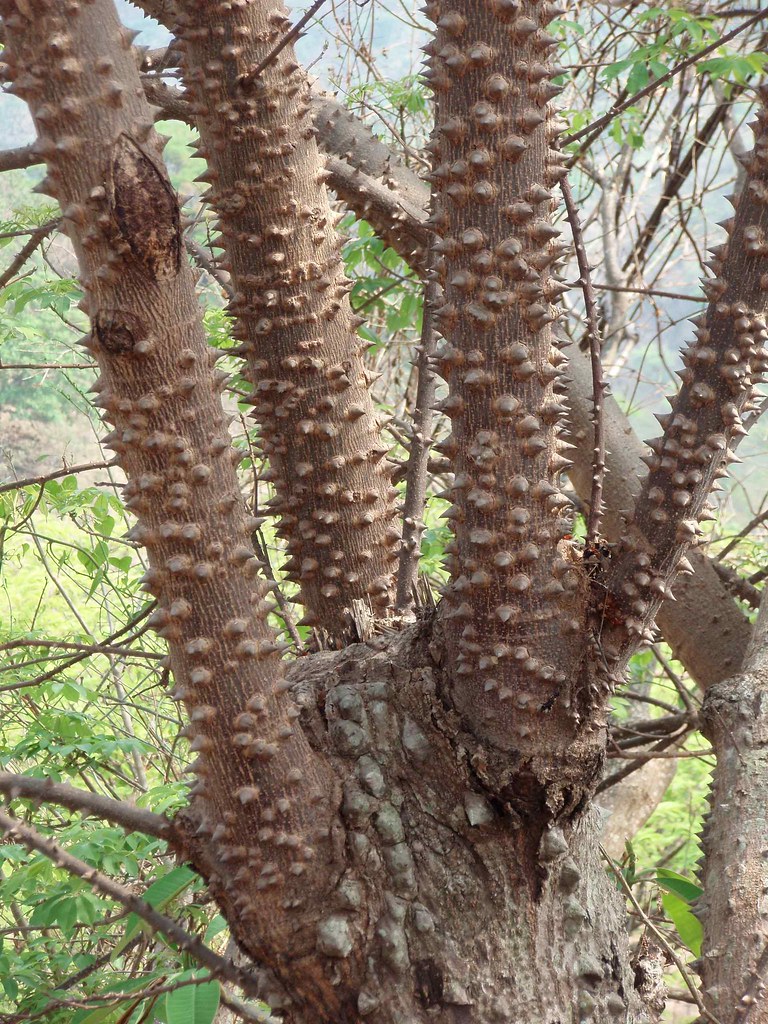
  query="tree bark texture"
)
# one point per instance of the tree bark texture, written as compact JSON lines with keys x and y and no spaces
{"x":451,"y":907}
{"x":734,"y":906}
{"x":516,"y":635}
{"x":721,"y":371}
{"x":311,"y":398}
{"x":257,"y":782}
{"x":704,"y":626}
{"x":400,"y":831}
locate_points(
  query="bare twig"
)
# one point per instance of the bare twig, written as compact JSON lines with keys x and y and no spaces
{"x":21,"y":257}
{"x":650,"y":292}
{"x":67,"y":645}
{"x":30,"y":481}
{"x":251,"y":1014}
{"x":76,"y":658}
{"x":591,"y":131}
{"x":287,"y":39}
{"x":660,"y":938}
{"x":219,"y":967}
{"x":119,"y":812}
{"x":653,"y":755}
{"x":418,"y":458}
{"x":203,"y":259}
{"x":598,"y":383}
{"x":751,"y":525}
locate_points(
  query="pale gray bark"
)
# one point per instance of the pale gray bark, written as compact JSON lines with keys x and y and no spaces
{"x":734,"y":907}
{"x":631,"y":802}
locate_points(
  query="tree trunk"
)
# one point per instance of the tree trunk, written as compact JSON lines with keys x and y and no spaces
{"x":734,"y":907}
{"x":312,"y":401}
{"x":407,"y":836}
{"x":450,"y":906}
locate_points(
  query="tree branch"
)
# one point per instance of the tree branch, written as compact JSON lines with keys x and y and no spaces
{"x":591,"y":131}
{"x":16,"y":159}
{"x":734,"y":962}
{"x":418,"y":459}
{"x":119,"y":812}
{"x":219,"y":967}
{"x":598,"y":384}
{"x":43,"y":478}
{"x":704,"y":626}
{"x":721,"y":371}
{"x":21,"y":257}
{"x":157,"y":387}
{"x":292,"y":313}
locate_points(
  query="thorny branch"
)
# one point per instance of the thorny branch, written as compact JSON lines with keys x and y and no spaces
{"x":287,"y":39}
{"x":598,"y":383}
{"x":119,"y":812}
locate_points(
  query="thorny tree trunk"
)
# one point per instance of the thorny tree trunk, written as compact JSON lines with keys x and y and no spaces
{"x":734,"y":907}
{"x":413,"y":841}
{"x":311,"y":388}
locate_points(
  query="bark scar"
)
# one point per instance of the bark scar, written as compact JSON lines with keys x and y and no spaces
{"x":145,"y":209}
{"x":117,"y":331}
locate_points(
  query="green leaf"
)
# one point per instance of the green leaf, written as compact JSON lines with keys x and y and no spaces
{"x":193,"y":1004}
{"x":686,"y":925}
{"x":92,"y":1016}
{"x":158,"y":895}
{"x":638,"y":78}
{"x":678,"y":884}
{"x":217,"y":925}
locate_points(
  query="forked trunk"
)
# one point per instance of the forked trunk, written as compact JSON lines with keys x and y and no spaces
{"x":450,"y":906}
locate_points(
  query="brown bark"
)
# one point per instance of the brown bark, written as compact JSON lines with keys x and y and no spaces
{"x":261,"y":800}
{"x":450,"y":906}
{"x":721,"y":371}
{"x":351,"y":815}
{"x":733,"y":910}
{"x":312,"y":400}
{"x":516,"y":637}
{"x":704,"y":626}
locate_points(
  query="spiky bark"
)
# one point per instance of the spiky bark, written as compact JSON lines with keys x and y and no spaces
{"x":515,"y":626}
{"x":261,"y":801}
{"x":444,"y":768}
{"x":311,"y":388}
{"x":704,"y":626}
{"x":721,"y":371}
